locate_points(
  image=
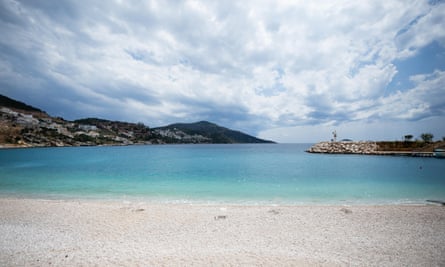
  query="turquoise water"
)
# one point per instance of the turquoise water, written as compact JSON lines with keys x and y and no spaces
{"x":273,"y":174}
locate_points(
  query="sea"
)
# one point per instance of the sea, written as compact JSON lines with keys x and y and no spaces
{"x":246,"y":174}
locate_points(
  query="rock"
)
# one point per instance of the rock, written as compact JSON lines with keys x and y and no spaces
{"x":275,"y":212}
{"x":346,"y":211}
{"x":138,"y":210}
{"x":220,"y":217}
{"x":344,"y":148}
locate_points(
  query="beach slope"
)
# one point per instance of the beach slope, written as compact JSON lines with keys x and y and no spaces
{"x":124,"y":233}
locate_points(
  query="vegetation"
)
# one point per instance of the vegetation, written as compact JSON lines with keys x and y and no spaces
{"x":11,"y":103}
{"x":23,"y":125}
{"x":408,"y":137}
{"x":400,"y":146}
{"x":427,"y":137}
{"x":214,"y":133}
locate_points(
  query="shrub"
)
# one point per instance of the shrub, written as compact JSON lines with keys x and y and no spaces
{"x":427,"y":137}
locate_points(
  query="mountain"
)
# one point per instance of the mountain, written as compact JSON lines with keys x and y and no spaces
{"x":17,"y":105}
{"x":22,"y":125}
{"x":206,"y":132}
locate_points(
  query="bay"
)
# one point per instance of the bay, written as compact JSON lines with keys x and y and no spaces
{"x":244,"y":174}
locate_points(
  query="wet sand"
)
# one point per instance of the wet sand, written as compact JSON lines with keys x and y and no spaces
{"x":116,"y":233}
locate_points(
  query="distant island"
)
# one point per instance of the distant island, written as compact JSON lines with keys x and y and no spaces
{"x":22,"y":125}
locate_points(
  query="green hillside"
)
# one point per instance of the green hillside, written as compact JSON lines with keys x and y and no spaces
{"x":216,"y":133}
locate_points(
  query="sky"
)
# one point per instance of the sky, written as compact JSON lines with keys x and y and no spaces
{"x":289,"y":71}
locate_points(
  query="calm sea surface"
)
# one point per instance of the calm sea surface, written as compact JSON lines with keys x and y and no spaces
{"x":246,"y":174}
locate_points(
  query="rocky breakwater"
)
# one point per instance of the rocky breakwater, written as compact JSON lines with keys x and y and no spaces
{"x":344,"y":148}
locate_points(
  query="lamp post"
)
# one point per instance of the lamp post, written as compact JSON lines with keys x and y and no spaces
{"x":334,"y":133}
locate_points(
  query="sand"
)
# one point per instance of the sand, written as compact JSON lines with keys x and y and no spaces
{"x":121,"y":233}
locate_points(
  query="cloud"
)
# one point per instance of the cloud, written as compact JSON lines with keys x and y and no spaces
{"x":356,"y":130}
{"x":250,"y":65}
{"x":424,"y":100}
{"x":424,"y":29}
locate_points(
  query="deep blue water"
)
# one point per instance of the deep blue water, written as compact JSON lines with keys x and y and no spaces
{"x":271,"y":173}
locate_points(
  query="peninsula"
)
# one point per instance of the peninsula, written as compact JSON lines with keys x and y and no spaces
{"x":22,"y":125}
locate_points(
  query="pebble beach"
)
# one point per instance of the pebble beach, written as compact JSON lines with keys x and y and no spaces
{"x":38,"y":232}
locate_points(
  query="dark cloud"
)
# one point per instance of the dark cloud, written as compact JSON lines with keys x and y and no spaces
{"x":244,"y":64}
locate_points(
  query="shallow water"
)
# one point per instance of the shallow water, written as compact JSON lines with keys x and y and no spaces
{"x":253,"y":174}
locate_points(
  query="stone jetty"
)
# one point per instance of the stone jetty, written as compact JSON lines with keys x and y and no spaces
{"x":370,"y":148}
{"x":363,"y":147}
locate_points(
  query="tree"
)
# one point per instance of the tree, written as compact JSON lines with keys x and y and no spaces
{"x":408,"y":137}
{"x":427,"y":137}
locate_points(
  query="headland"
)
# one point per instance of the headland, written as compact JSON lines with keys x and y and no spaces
{"x":22,"y":125}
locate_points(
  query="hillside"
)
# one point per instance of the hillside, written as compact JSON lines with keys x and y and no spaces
{"x":206,"y":132}
{"x":17,"y":105}
{"x":22,"y":125}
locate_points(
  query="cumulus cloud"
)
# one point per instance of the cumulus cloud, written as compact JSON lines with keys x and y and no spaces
{"x":250,"y":65}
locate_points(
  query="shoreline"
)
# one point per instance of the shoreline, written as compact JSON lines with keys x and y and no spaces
{"x":377,"y":148}
{"x":112,"y":233}
{"x":383,"y":153}
{"x":219,"y":202}
{"x":13,"y":146}
{"x":140,"y":202}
